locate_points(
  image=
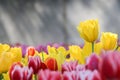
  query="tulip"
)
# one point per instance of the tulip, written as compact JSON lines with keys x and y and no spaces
{"x":49,"y":75}
{"x":35,"y":63}
{"x":82,"y":75}
{"x":73,"y":75}
{"x":4,"y":48}
{"x":27,"y":73}
{"x":89,"y":30}
{"x":110,"y":66}
{"x":43,"y":66}
{"x":30,"y":51}
{"x":93,"y":62}
{"x":8,"y":57}
{"x":76,"y":53}
{"x":109,"y":40}
{"x":16,"y":54}
{"x":5,"y":62}
{"x":69,"y":66}
{"x":95,"y":75}
{"x":17,"y":72}
{"x":59,"y":54}
{"x":51,"y":63}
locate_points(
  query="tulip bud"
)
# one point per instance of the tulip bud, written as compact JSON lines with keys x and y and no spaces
{"x":92,"y":62}
{"x":35,"y":63}
{"x":109,"y":65}
{"x":51,"y":63}
{"x":89,"y":30}
{"x":13,"y":67}
{"x":30,"y":51}
{"x":27,"y":73}
{"x":70,"y":66}
{"x":16,"y":73}
{"x":109,"y":40}
{"x":43,"y":66}
{"x":20,"y":73}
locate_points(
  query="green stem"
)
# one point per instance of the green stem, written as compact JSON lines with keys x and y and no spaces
{"x":35,"y":77}
{"x":42,"y":57}
{"x":117,"y":48}
{"x":1,"y":77}
{"x":92,"y":47}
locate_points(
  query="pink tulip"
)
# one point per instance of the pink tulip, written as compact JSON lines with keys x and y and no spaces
{"x":95,"y":75}
{"x":35,"y":63}
{"x":92,"y":62}
{"x":73,"y":75}
{"x":110,"y":65}
{"x":20,"y":73}
{"x":49,"y":75}
{"x":69,"y":66}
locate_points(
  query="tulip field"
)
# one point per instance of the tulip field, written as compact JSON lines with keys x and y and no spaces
{"x":97,"y":59}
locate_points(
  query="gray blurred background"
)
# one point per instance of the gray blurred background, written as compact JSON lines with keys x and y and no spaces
{"x":36,"y":22}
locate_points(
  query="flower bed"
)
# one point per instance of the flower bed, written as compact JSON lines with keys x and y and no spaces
{"x":95,"y":60}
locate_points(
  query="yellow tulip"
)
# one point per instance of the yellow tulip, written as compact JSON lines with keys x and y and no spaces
{"x":43,"y":55}
{"x":89,"y":30}
{"x":76,"y":53}
{"x":16,"y":54}
{"x":59,"y":54}
{"x":4,"y":48}
{"x":109,"y":40}
{"x":5,"y":61}
{"x":9,"y":57}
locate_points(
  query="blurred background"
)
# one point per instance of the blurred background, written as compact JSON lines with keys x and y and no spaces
{"x":36,"y":22}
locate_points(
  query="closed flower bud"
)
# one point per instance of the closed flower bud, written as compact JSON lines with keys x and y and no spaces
{"x":109,"y":65}
{"x":30,"y":51}
{"x":17,"y":72}
{"x":89,"y":30}
{"x":35,"y":63}
{"x":51,"y":63}
{"x":92,"y":62}
{"x":13,"y":70}
{"x":109,"y":40}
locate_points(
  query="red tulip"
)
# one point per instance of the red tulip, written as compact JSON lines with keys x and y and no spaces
{"x":43,"y":66}
{"x":35,"y":63}
{"x":30,"y":51}
{"x":51,"y":63}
